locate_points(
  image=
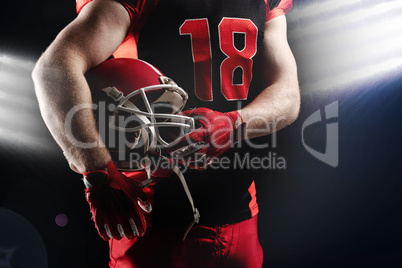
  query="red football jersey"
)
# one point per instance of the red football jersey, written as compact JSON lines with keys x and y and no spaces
{"x":212,"y":49}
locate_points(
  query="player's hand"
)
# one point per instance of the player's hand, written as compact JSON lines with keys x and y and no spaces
{"x":216,"y":132}
{"x":116,"y":202}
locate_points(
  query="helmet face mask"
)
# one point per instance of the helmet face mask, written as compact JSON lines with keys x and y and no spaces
{"x":141,"y":109}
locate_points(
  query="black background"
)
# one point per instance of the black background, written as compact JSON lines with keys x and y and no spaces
{"x":311,"y":214}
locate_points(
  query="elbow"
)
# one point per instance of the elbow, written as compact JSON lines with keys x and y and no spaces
{"x":38,"y":72}
{"x":49,"y":75}
{"x":42,"y":71}
{"x":41,"y":76}
{"x":54,"y":65}
{"x":49,"y":71}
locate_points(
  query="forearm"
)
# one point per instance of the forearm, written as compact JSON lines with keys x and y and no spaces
{"x":275,"y":108}
{"x":66,"y":107}
{"x":63,"y":93}
{"x":278,"y":104}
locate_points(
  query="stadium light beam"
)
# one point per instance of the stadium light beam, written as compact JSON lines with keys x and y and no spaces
{"x":339,"y":45}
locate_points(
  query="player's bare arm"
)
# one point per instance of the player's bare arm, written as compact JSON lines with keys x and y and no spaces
{"x":60,"y":83}
{"x":61,"y":89}
{"x":278,"y":105}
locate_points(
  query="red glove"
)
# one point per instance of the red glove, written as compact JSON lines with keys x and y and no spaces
{"x":116,"y":202}
{"x":217,"y":132}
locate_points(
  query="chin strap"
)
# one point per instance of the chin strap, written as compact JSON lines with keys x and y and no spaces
{"x":196,"y":214}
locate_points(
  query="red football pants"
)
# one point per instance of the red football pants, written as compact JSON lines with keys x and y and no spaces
{"x":232,"y":245}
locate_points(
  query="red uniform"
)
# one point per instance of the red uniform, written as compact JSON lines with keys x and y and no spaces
{"x":212,"y":49}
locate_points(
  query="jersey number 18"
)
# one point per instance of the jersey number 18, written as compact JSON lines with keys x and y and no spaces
{"x":198,"y":29}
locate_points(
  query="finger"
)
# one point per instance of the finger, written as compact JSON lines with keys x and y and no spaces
{"x":145,"y":206}
{"x":133,"y":227}
{"x":129,"y":207}
{"x":107,"y":230}
{"x":137,"y":221}
{"x":221,"y":139}
{"x":127,"y":230}
{"x":188,"y":143}
{"x":113,"y":231}
{"x":122,"y":210}
{"x":197,"y":112}
{"x":114,"y":210}
{"x":188,"y":112}
{"x":196,"y":156}
{"x":121,"y":231}
{"x":125,"y":206}
{"x":100,"y":226}
{"x":189,"y":149}
{"x":141,"y":227}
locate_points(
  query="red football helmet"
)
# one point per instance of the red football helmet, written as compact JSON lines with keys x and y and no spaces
{"x":135,"y":100}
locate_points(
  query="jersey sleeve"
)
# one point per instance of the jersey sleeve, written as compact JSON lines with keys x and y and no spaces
{"x":276,"y":8}
{"x":79,"y":4}
{"x":139,"y":11}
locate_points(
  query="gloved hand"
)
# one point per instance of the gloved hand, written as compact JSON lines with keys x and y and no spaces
{"x":215,"y":134}
{"x":116,"y":202}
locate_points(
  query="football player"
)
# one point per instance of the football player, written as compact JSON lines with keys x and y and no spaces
{"x":234,"y":61}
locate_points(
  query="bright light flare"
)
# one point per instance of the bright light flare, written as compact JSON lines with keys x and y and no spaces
{"x":338,"y":43}
{"x":12,"y":61}
{"x":20,"y":122}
